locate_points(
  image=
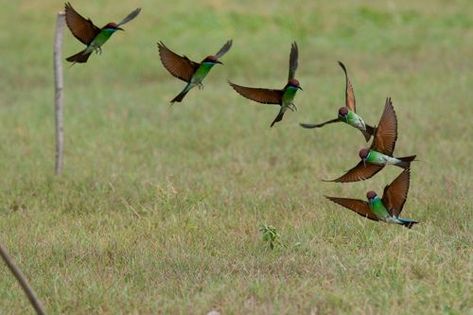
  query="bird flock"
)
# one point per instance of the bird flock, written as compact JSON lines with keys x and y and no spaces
{"x":373,"y":159}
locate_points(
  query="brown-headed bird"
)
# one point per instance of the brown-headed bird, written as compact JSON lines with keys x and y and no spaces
{"x":283,"y":97}
{"x":84,"y":30}
{"x":386,"y":209}
{"x":347,"y":113}
{"x":191,"y":72}
{"x":381,"y":151}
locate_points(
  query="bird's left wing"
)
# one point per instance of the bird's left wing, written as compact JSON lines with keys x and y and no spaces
{"x":359,"y":206}
{"x":361,"y":171}
{"x":293,"y":61}
{"x":395,"y":194}
{"x":225,"y":48}
{"x":130,"y":16}
{"x":350,"y":101}
{"x":179,"y":66}
{"x":265,"y":96}
{"x":83,"y":29}
{"x":310,"y":126}
{"x":386,"y":133}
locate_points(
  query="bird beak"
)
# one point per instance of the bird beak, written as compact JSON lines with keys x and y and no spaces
{"x":300,"y":88}
{"x":218,"y":61}
{"x":364,"y":162}
{"x":120,"y":29}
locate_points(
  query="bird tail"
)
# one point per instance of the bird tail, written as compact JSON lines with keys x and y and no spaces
{"x":408,"y":223}
{"x":406,"y":161}
{"x":80,"y":57}
{"x":278,"y":117}
{"x":369,"y":132}
{"x":181,"y":95}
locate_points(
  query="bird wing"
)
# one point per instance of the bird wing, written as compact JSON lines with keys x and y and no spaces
{"x":395,"y":194}
{"x":179,"y":66}
{"x":386,"y":133}
{"x":225,"y":48}
{"x":359,"y":206}
{"x":350,"y":101}
{"x":361,"y":171}
{"x":310,"y":126}
{"x":83,"y":29}
{"x":265,"y":96}
{"x":293,"y":61}
{"x":130,"y":16}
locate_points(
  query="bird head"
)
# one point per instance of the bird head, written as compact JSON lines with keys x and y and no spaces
{"x":113,"y":26}
{"x":363,"y":154}
{"x":371,"y":195}
{"x":342,"y":112}
{"x":295,"y":84}
{"x":212,"y":59}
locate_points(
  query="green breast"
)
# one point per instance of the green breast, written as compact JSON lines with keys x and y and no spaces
{"x":102,"y":37}
{"x":378,"y":208}
{"x":288,"y":96}
{"x":201,"y":72}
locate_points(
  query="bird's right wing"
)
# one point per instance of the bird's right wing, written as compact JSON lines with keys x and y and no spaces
{"x":310,"y":126}
{"x":179,"y":66}
{"x":350,"y":101}
{"x":293,"y":61}
{"x":224,"y":49}
{"x":359,"y":206}
{"x":265,"y":96}
{"x":395,"y":194}
{"x":83,"y":29}
{"x":130,"y":16}
{"x":361,"y":171}
{"x":386,"y":133}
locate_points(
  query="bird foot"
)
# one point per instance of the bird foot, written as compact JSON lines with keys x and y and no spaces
{"x":201,"y":86}
{"x":293,"y":107}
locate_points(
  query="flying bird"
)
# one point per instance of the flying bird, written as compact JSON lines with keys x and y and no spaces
{"x":90,"y":35}
{"x":380,"y":153}
{"x":191,"y":72}
{"x":347,"y":113}
{"x":386,"y":209}
{"x":283,"y":97}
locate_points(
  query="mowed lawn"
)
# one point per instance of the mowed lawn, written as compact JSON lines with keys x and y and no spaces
{"x":159,"y":207}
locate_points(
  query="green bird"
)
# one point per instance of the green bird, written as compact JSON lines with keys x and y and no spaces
{"x":386,"y":209}
{"x":283,"y":97}
{"x":84,"y":30}
{"x":191,"y":72}
{"x":347,"y":113}
{"x":380,"y":153}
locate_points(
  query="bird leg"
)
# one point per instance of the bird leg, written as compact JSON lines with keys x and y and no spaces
{"x":200,"y":85}
{"x":293,"y":107}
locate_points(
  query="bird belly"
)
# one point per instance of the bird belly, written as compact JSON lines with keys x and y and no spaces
{"x":380,"y":159}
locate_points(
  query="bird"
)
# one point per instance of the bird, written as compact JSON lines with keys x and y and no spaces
{"x":388,"y":207}
{"x":191,"y":72}
{"x":85,"y":31}
{"x":380,"y":153}
{"x":283,"y":97}
{"x":347,"y":113}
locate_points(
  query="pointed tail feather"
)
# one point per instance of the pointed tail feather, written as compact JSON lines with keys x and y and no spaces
{"x":278,"y":117}
{"x":181,"y":95}
{"x":408,"y":223}
{"x":80,"y":57}
{"x":369,"y":132}
{"x":406,"y":161}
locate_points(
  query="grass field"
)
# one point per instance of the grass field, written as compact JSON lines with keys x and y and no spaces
{"x":159,"y":207}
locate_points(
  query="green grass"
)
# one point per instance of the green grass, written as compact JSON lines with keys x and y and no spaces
{"x":159,"y":208}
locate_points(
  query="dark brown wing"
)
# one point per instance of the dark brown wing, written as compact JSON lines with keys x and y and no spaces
{"x":83,"y":29}
{"x":179,"y":66}
{"x":133,"y":14}
{"x":395,"y":194}
{"x":224,"y":49}
{"x":265,"y":96}
{"x":361,"y":171}
{"x":293,"y":61}
{"x":350,"y":101}
{"x":310,"y":126}
{"x":386,"y":132}
{"x":359,"y":206}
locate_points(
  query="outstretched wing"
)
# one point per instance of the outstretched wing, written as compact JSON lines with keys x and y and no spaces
{"x":386,"y":133}
{"x":83,"y":29}
{"x":293,"y":61}
{"x":179,"y":66}
{"x":310,"y":126}
{"x":361,"y":171}
{"x":130,"y":16}
{"x":359,"y":206}
{"x":350,"y":101}
{"x":265,"y":96}
{"x":224,"y":49}
{"x":395,"y":194}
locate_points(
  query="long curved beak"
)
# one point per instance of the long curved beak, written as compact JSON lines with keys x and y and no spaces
{"x":218,"y":61}
{"x":300,"y":88}
{"x":120,"y":29}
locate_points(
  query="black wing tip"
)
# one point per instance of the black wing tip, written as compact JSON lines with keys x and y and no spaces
{"x":307,"y":126}
{"x":342,"y":65}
